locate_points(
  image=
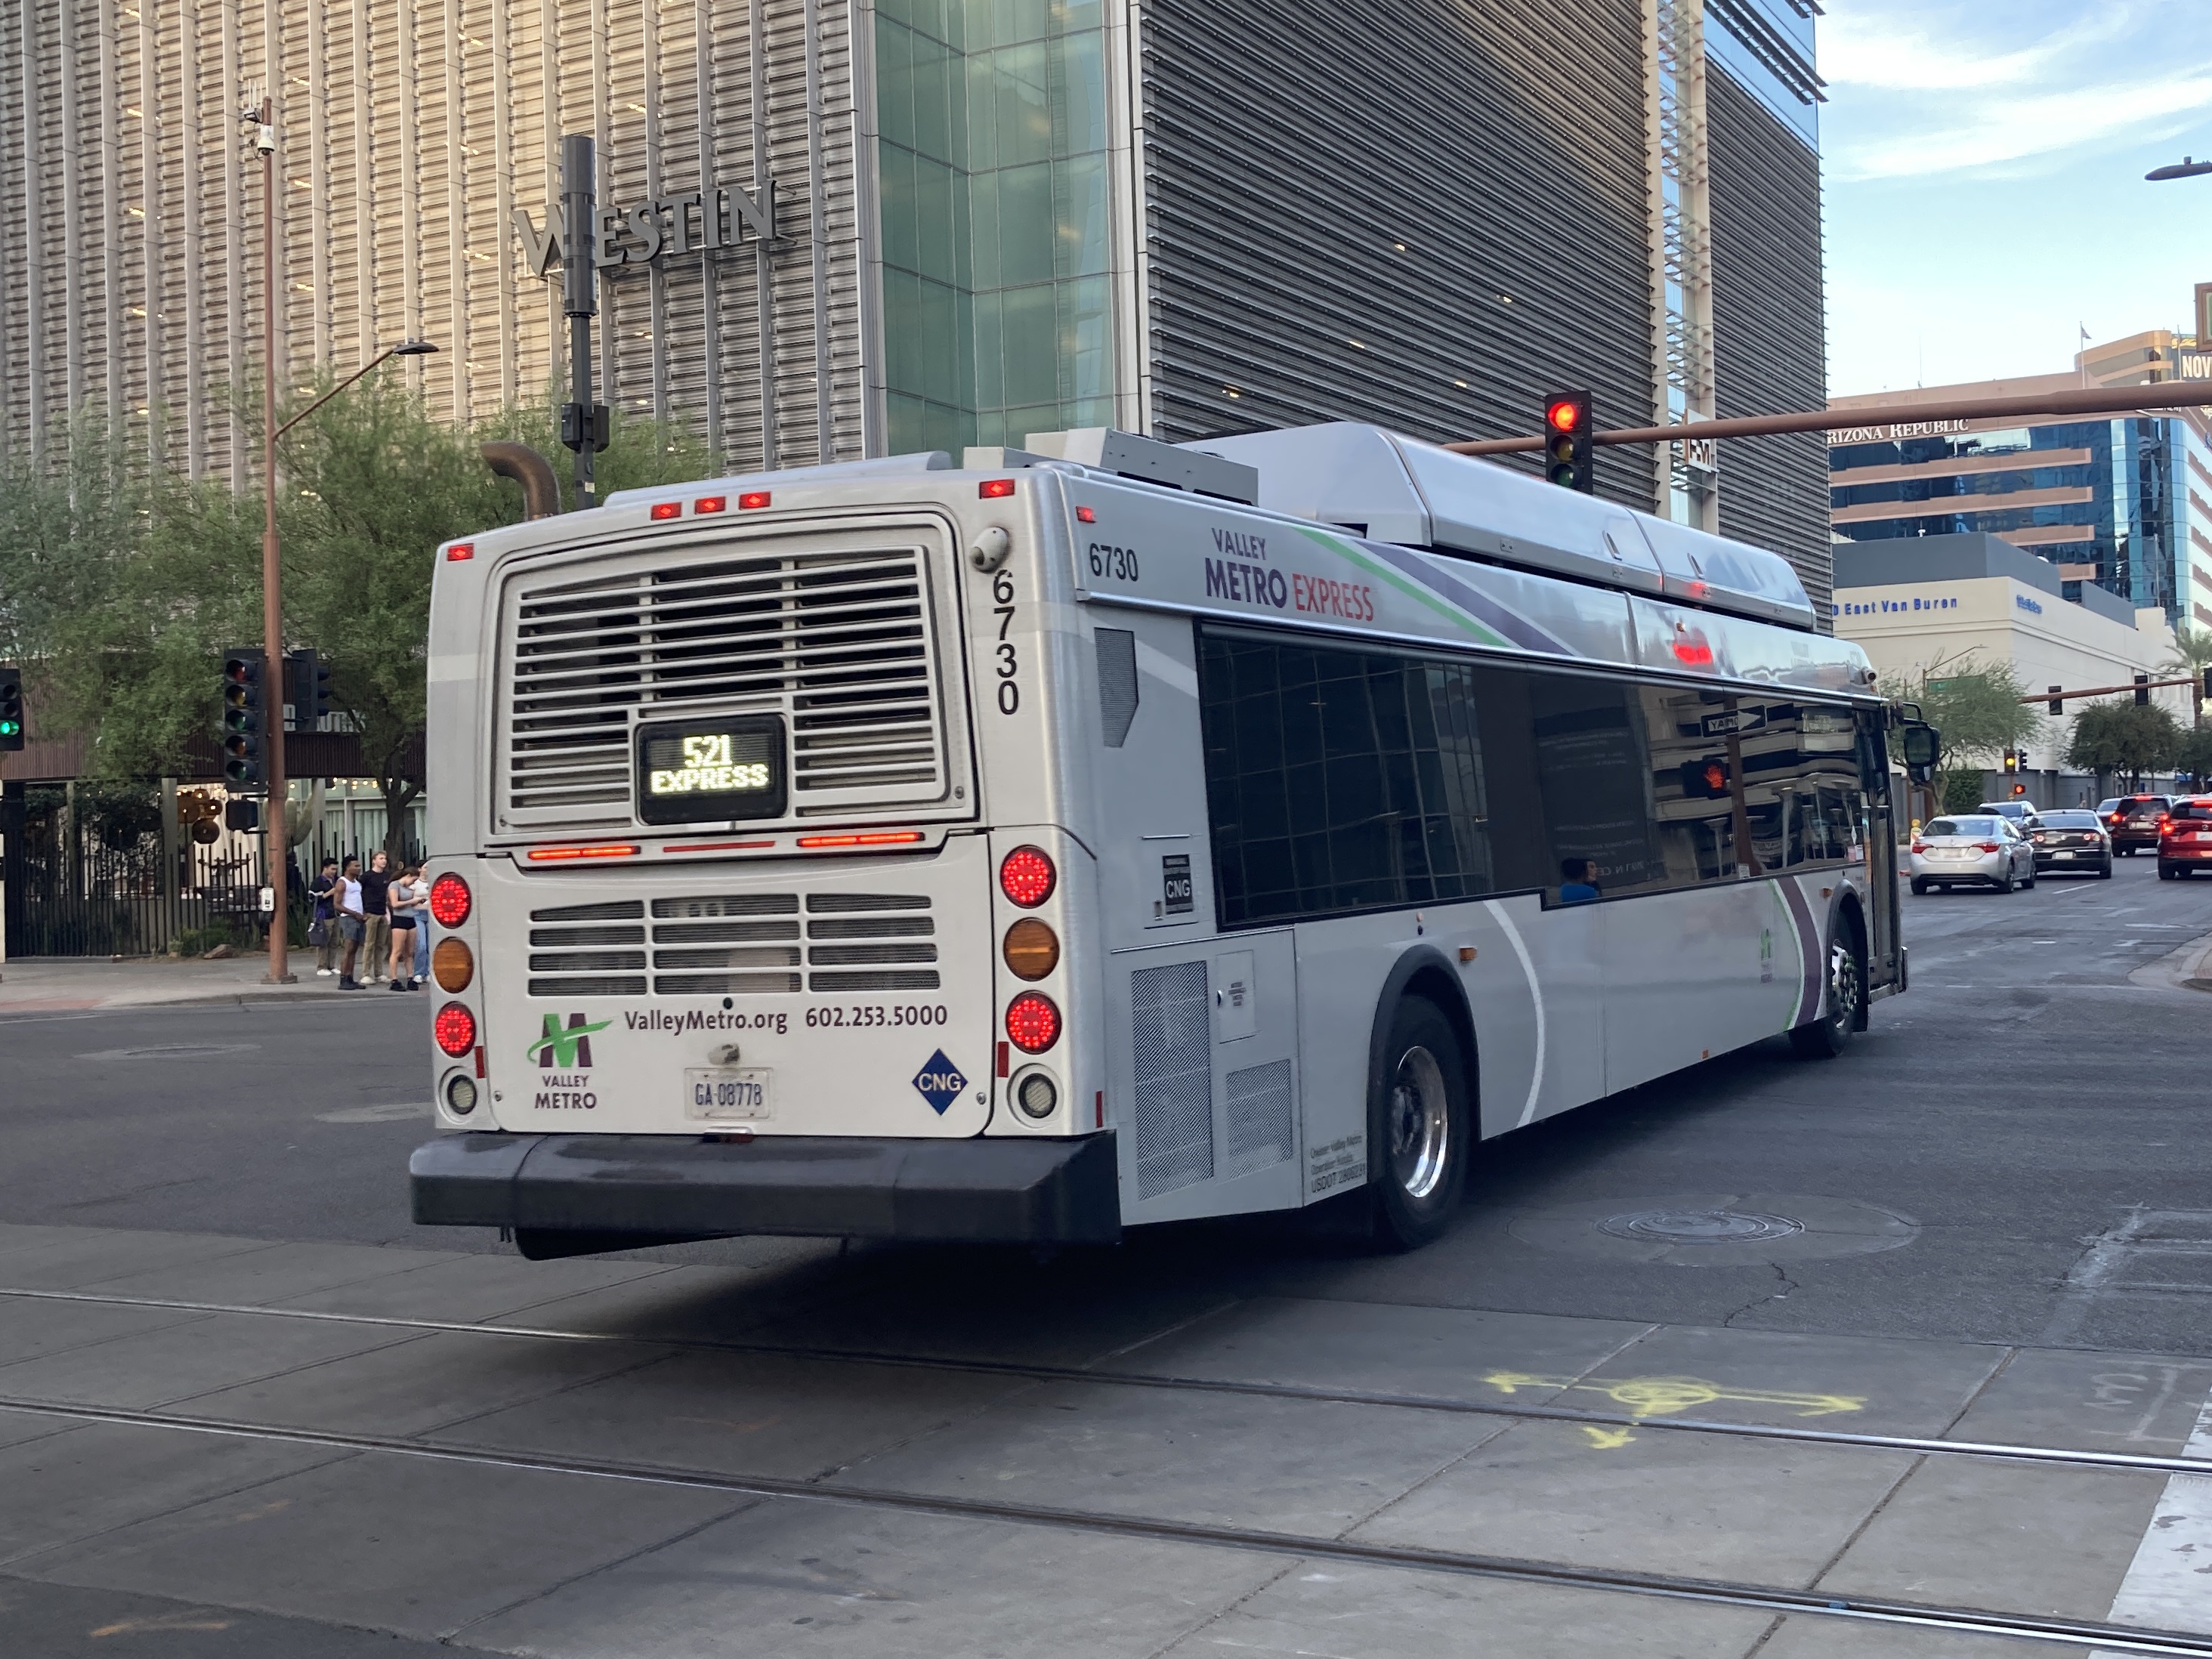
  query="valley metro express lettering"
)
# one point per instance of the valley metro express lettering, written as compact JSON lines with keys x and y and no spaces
{"x":1244,"y":577}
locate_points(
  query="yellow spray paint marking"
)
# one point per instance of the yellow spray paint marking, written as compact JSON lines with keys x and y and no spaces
{"x":1662,"y":1396}
{"x":1605,"y":1439}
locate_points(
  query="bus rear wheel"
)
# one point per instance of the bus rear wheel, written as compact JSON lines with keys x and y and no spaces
{"x":1844,"y":995}
{"x":1418,"y":1127}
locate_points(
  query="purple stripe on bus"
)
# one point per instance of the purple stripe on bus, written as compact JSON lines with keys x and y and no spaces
{"x":1808,"y":950}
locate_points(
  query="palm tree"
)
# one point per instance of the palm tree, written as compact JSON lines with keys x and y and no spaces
{"x":2192,"y":655}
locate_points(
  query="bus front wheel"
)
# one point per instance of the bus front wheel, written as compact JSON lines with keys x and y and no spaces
{"x":1418,"y":1127}
{"x":1845,"y":996}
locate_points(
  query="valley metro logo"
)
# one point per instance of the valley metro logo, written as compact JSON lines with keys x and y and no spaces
{"x":559,"y":1050}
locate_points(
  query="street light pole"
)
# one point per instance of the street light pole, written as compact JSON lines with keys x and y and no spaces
{"x":272,"y":602}
{"x":272,"y":592}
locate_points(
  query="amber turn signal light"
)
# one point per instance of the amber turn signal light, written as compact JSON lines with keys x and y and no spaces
{"x":453,"y":964}
{"x":1031,"y":950}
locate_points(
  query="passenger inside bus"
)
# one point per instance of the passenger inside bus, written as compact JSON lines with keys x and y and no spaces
{"x":1579,"y":883}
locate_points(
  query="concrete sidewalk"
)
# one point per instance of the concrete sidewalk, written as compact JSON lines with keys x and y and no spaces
{"x":57,"y":984}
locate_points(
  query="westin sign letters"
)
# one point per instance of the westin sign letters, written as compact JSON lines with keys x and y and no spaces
{"x":699,"y":221}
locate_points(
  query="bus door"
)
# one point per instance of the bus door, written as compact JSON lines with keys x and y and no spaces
{"x":1203,"y":1076}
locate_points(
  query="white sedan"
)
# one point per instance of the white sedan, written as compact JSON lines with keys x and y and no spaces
{"x":1980,"y":851}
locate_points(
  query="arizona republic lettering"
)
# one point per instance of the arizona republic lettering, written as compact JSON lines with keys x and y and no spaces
{"x":1243,"y":575}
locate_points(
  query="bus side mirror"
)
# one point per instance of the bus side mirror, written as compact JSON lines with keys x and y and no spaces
{"x":1923,"y":747}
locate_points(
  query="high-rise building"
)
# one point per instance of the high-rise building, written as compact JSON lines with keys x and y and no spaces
{"x":2123,"y":504}
{"x":837,"y":228}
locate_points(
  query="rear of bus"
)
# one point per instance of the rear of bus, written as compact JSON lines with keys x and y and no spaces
{"x":737,"y":931}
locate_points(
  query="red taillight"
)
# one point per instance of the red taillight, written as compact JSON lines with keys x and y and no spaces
{"x":668,"y":509}
{"x":1990,"y":846}
{"x":1085,"y":515}
{"x":460,"y":552}
{"x":449,"y":901}
{"x":996,"y":489}
{"x":1027,"y":876}
{"x":455,"y":1029}
{"x":711,"y":504}
{"x":1919,"y":846}
{"x":2118,"y":817}
{"x":873,"y":838}
{"x":1032,"y":1022}
{"x":570,"y":855}
{"x":753,"y":500}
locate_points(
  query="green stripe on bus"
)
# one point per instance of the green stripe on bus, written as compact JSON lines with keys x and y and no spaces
{"x":1414,"y":590}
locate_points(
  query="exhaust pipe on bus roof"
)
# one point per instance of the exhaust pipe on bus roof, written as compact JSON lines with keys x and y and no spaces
{"x":541,"y":491}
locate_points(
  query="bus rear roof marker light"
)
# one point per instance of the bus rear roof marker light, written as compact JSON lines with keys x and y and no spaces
{"x":753,"y":500}
{"x":668,"y":509}
{"x":996,"y":489}
{"x":1085,"y":515}
{"x":880,"y":838}
{"x":460,"y":552}
{"x":711,"y":504}
{"x":572,"y":854}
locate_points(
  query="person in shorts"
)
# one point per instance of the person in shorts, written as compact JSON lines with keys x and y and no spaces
{"x":403,"y":903}
{"x":353,"y":923}
{"x":324,"y":892}
{"x":375,"y":909}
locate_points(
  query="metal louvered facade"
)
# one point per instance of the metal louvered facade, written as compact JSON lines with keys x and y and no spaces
{"x":1427,"y":214}
{"x":1770,"y":343}
{"x":993,"y":216}
{"x":409,"y":132}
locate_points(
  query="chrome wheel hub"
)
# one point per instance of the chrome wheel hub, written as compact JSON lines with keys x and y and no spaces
{"x":1843,"y":985}
{"x":1420,"y":1124}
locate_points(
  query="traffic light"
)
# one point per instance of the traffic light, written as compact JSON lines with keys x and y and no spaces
{"x":244,"y":719}
{"x":2019,"y":789}
{"x":2143,"y":690}
{"x":307,"y":688}
{"x":2011,"y":761}
{"x":1706,"y":779}
{"x":11,"y":705}
{"x":241,"y":815}
{"x":1567,"y":454}
{"x":2059,"y":702}
{"x":2208,"y":685}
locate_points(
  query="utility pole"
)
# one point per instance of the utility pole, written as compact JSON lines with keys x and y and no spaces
{"x":583,"y":422}
{"x":273,"y":826}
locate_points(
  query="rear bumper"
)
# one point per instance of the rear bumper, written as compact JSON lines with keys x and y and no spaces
{"x":672,"y":1187}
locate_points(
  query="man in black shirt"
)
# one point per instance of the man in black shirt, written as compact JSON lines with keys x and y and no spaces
{"x":375,"y":886}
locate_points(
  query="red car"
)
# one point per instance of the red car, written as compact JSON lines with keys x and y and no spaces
{"x":2185,"y":838}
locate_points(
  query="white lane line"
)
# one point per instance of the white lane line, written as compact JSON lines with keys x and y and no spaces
{"x":2169,"y":1584}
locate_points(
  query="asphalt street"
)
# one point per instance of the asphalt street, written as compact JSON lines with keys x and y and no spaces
{"x":2022,"y":1101}
{"x":1943,"y":1391}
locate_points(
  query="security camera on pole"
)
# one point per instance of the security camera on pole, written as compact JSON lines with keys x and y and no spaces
{"x":583,"y":422}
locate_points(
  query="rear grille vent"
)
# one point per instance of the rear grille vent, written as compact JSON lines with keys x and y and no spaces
{"x":1172,"y":1035}
{"x":571,"y":958}
{"x":841,"y":643}
{"x":737,"y":944}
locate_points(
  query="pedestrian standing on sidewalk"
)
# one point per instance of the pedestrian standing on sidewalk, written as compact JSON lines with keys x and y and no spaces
{"x":353,"y":923}
{"x":404,"y":902}
{"x":375,"y":906}
{"x":423,"y":925}
{"x":324,"y":892}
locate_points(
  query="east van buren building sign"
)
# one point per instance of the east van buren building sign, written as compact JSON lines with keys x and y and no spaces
{"x":711,"y":221}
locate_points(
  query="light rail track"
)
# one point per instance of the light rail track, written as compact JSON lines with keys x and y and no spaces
{"x":1019,"y":1370}
{"x":2108,"y":1637}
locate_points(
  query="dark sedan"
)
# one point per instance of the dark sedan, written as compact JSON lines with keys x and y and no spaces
{"x":2072,"y":842}
{"x":2133,"y":822}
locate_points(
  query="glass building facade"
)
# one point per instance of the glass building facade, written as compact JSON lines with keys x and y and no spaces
{"x":2109,"y":502}
{"x":992,"y":152}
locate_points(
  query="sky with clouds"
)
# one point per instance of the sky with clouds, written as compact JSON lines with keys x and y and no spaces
{"x":1984,"y":163}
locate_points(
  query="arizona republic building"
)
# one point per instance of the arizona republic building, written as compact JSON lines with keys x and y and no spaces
{"x":831,"y":229}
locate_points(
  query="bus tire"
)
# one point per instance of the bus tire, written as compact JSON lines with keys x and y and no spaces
{"x":1843,"y":996}
{"x":1418,"y":1127}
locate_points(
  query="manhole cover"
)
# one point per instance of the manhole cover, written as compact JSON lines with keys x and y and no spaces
{"x":174,"y":1051}
{"x":1699,"y":1226}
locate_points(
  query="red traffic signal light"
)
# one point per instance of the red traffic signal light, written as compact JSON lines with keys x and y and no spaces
{"x":1567,"y":452}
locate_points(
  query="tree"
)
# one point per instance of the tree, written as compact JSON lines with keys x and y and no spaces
{"x":1978,"y":713}
{"x":125,"y":588}
{"x":2192,"y":655}
{"x":2121,"y":738}
{"x":2194,"y":757}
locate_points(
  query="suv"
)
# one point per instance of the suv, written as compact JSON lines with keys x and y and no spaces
{"x":2133,"y":820}
{"x":2185,"y":841}
{"x":2022,"y":812}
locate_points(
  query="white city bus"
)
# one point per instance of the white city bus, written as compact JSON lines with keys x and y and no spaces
{"x":1113,"y":833}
